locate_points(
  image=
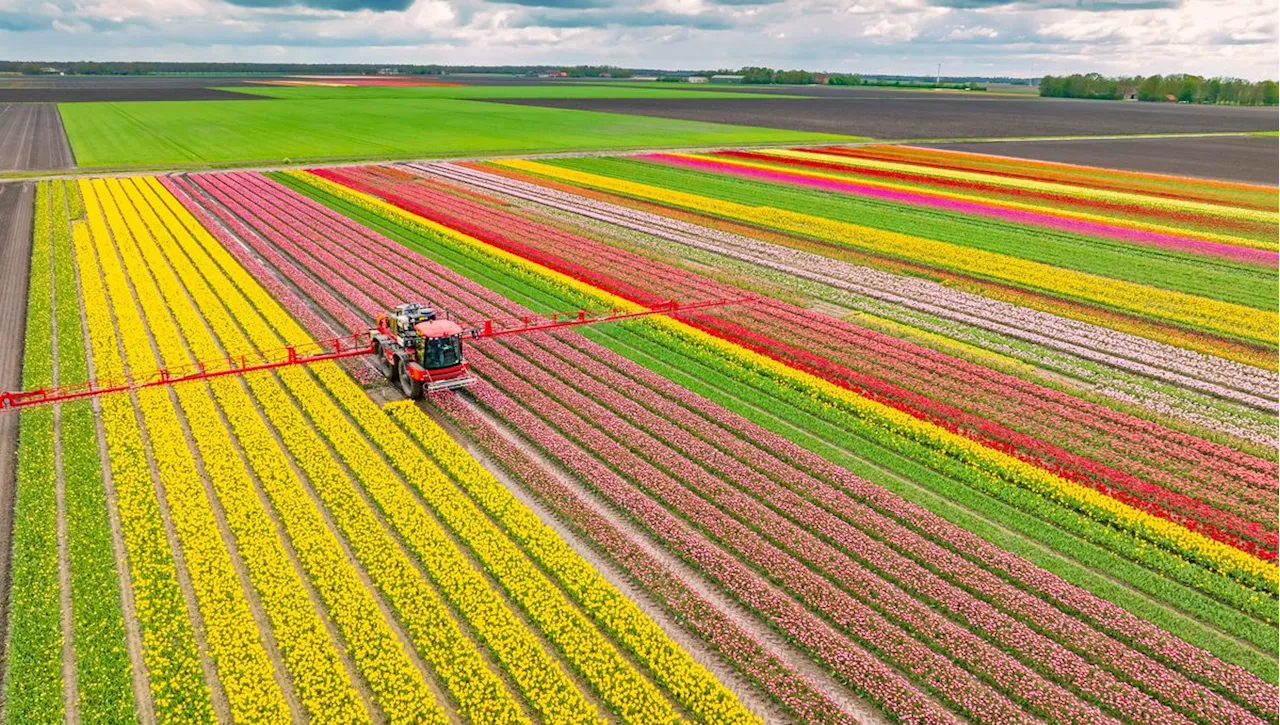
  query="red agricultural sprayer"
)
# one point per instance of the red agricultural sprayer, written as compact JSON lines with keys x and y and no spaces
{"x":414,"y":346}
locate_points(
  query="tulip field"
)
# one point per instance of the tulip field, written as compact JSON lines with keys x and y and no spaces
{"x":991,"y":441}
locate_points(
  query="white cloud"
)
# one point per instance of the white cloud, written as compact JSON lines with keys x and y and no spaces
{"x":988,"y":37}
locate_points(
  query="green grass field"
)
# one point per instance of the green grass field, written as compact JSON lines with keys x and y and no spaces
{"x":564,"y":90}
{"x":208,"y":133}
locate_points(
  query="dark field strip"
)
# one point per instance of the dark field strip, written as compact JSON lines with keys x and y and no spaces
{"x":88,"y":95}
{"x":920,"y":116}
{"x":1233,"y":158}
{"x":32,"y":138}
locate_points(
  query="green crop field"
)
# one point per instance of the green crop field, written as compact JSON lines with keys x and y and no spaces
{"x":201,"y":133}
{"x":563,"y":90}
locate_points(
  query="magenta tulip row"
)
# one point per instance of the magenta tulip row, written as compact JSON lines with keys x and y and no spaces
{"x":1074,"y":226}
{"x":311,"y":225}
{"x":1123,"y":351}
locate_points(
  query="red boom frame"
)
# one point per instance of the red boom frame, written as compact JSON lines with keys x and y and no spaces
{"x":332,"y":349}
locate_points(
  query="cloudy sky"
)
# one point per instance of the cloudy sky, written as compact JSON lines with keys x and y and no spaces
{"x":969,"y":37}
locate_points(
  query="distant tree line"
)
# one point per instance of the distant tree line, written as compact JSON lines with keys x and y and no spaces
{"x":133,"y":68}
{"x":1179,"y":88}
{"x":596,"y":71}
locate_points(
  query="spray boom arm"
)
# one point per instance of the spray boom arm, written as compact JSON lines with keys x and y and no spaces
{"x":333,"y":349}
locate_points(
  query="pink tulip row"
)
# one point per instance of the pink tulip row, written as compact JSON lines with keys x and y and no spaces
{"x":605,"y":265}
{"x":334,"y":227}
{"x":1121,"y":350}
{"x":318,"y":327}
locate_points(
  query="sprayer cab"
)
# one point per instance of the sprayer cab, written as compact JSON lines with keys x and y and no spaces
{"x":414,"y":348}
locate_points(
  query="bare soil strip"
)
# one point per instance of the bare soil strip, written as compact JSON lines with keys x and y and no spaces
{"x":16,"y":209}
{"x":32,"y":138}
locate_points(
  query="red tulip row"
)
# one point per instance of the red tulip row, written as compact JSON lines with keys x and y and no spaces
{"x":608,"y":265}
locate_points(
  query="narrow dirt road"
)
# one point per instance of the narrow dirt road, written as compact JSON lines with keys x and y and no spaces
{"x":16,"y":207}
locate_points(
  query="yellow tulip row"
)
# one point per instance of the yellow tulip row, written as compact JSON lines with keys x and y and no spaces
{"x":1209,"y":314}
{"x":690,"y":683}
{"x":1223,"y":558}
{"x":481,"y":695}
{"x":397,"y":685}
{"x":1068,"y":190}
{"x":233,"y":638}
{"x":310,"y":657}
{"x":1001,"y":203}
{"x":178,"y":688}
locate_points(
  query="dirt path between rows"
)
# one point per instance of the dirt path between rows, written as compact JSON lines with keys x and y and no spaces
{"x":16,"y":210}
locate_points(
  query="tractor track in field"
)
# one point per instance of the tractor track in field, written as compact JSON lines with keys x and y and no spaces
{"x":749,"y":693}
{"x":755,"y":698}
{"x":17,"y":208}
{"x":434,"y":684}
